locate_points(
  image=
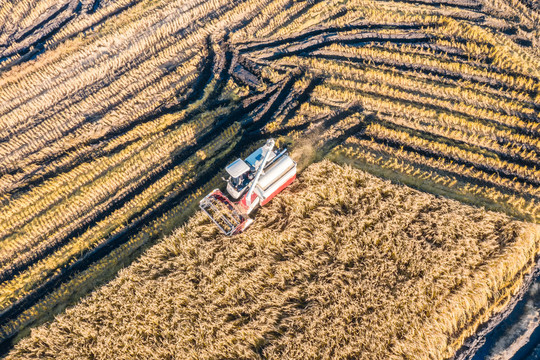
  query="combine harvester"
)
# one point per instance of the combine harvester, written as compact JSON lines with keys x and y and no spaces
{"x":255,"y":181}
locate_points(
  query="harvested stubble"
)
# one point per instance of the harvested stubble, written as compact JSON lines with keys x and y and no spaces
{"x":341,"y":265}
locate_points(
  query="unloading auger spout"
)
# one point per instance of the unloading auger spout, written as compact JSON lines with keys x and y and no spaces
{"x":267,"y":148}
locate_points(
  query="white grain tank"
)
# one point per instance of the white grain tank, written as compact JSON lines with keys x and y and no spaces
{"x":276,"y":178}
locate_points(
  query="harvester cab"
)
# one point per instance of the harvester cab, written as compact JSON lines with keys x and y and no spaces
{"x":252,"y":182}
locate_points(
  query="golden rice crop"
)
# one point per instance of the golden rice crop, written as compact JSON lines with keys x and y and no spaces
{"x":342,"y":265}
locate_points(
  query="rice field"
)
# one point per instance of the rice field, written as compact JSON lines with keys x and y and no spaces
{"x":117,"y":117}
{"x":341,"y":265}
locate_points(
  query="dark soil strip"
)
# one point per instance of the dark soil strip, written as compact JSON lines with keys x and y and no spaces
{"x":41,"y":24}
{"x":30,"y":53}
{"x":460,"y":4}
{"x":294,"y":99}
{"x":522,"y":41}
{"x":270,"y":106}
{"x":302,"y":98}
{"x":244,"y":76}
{"x":45,"y":27}
{"x":320,"y":30}
{"x":476,"y":341}
{"x":39,"y":47}
{"x":319,"y":41}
